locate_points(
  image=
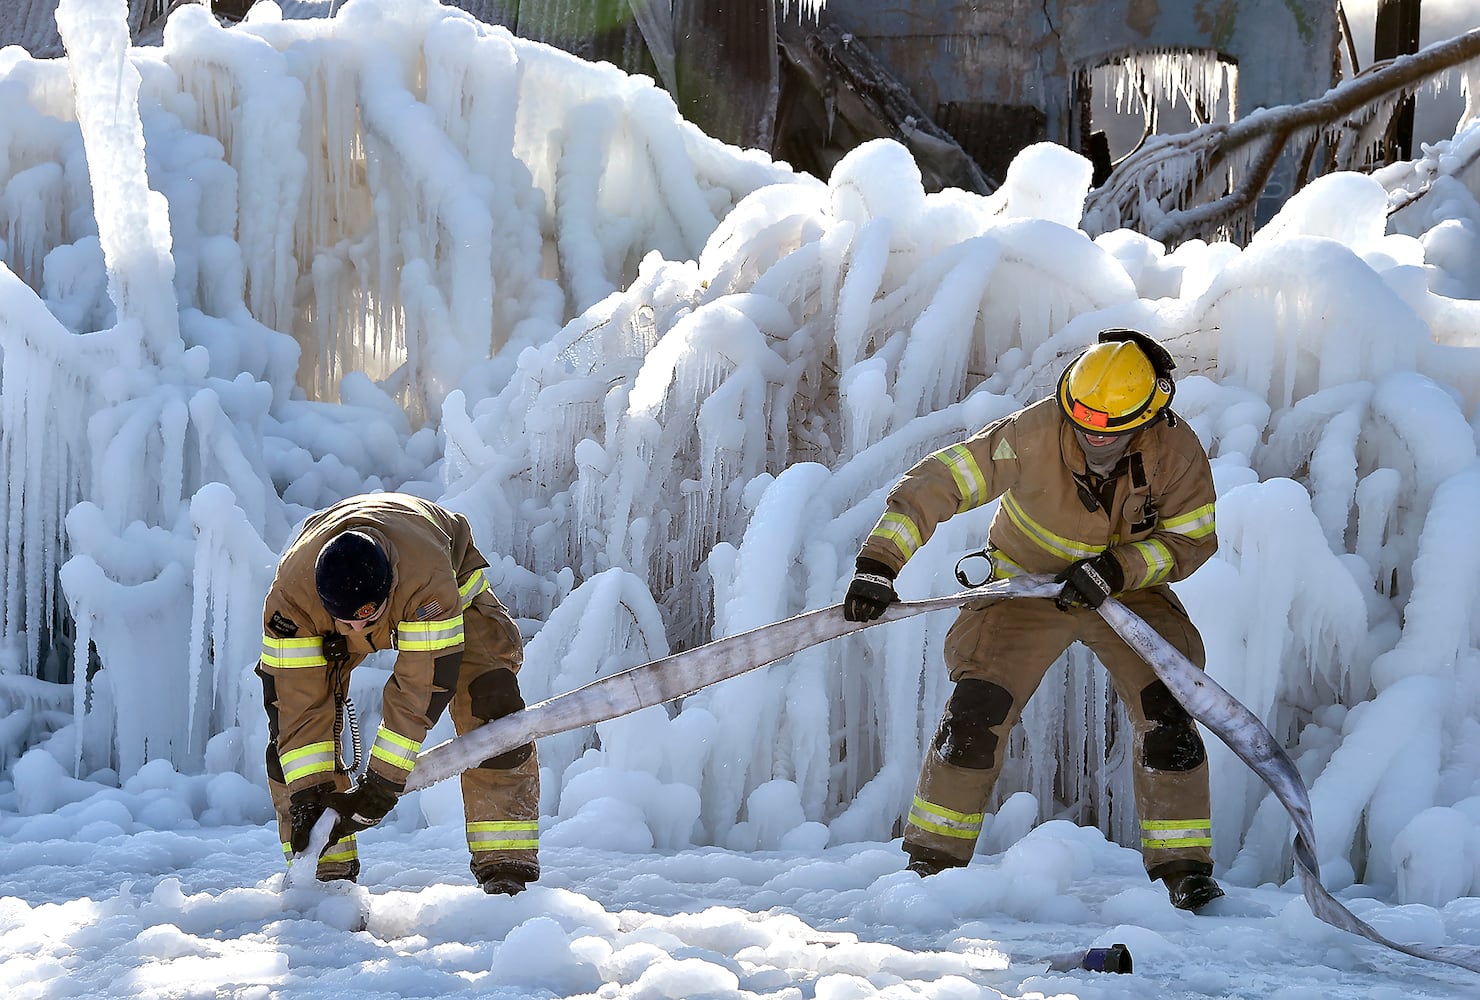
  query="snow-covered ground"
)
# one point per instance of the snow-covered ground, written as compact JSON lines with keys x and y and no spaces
{"x":125,"y":896}
{"x":252,"y":270}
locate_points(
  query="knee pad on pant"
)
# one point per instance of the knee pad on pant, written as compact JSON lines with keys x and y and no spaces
{"x":1173,"y":742}
{"x":965,"y":736}
{"x":492,"y":696}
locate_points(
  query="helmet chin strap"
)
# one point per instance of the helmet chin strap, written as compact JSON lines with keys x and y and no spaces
{"x":1166,"y":408}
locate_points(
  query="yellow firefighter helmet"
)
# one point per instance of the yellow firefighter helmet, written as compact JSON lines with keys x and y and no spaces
{"x":1119,"y":385}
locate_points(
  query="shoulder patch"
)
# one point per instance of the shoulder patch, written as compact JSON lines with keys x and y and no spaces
{"x":1004,"y":452}
{"x":281,"y":626}
{"x":429,"y":611}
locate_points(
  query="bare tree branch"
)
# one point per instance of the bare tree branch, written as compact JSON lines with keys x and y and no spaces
{"x":1205,"y":183}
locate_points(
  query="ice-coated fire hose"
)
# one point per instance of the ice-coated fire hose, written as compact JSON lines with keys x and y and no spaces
{"x":1246,"y":736}
{"x":683,"y":673}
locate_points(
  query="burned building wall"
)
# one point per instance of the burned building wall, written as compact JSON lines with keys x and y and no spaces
{"x":1000,"y":75}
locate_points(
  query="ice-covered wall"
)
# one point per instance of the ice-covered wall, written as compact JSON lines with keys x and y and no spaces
{"x":669,"y":382}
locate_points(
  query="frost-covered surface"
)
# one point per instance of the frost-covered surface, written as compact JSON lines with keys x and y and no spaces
{"x":669,"y":383}
{"x":171,"y":887}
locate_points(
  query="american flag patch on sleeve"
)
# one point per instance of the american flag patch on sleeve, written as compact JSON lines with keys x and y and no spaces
{"x":429,"y":611}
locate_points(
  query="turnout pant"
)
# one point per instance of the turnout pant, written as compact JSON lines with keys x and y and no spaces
{"x":997,"y":653}
{"x":501,"y":796}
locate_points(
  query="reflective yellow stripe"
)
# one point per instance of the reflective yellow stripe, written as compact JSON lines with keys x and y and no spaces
{"x":1064,"y":548}
{"x":283,"y":653}
{"x":1198,"y":523}
{"x":344,"y":850}
{"x":315,"y":758}
{"x":899,"y":531}
{"x":1168,"y":834}
{"x":475,"y":584}
{"x":1169,"y":844}
{"x":970,"y":482}
{"x":1004,"y":568}
{"x":395,"y":749}
{"x":946,"y":822}
{"x":504,"y":835}
{"x":1159,"y":561}
{"x":424,"y":636}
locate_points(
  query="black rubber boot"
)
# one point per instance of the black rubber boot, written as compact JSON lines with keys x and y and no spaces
{"x":925,"y":862}
{"x":1191,"y":890}
{"x":506,"y":879}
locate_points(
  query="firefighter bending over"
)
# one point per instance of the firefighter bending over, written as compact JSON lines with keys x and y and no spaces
{"x":392,"y":571}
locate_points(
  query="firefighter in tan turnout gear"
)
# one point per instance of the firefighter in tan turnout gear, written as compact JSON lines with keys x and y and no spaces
{"x":392,"y":571}
{"x":1104,"y":487}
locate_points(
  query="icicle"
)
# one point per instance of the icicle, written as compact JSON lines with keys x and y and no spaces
{"x":133,"y":221}
{"x":804,"y":8}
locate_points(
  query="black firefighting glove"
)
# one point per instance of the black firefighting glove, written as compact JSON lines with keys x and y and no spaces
{"x":1089,"y":581}
{"x":869,"y":592}
{"x":362,"y":806}
{"x":305,"y":806}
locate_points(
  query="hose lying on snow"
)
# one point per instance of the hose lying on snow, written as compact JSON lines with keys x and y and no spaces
{"x":1246,"y":736}
{"x":683,"y":673}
